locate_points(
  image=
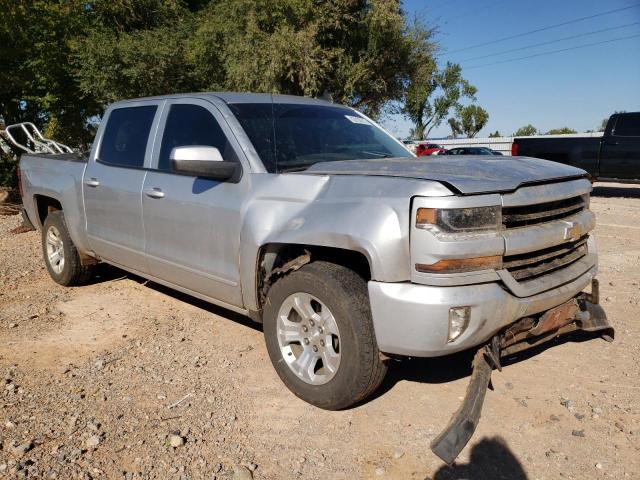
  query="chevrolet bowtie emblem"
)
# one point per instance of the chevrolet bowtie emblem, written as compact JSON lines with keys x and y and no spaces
{"x":573,"y":232}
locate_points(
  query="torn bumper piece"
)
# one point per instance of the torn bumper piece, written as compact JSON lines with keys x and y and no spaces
{"x":581,"y":313}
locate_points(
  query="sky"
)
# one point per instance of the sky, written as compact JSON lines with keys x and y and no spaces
{"x":576,"y":88}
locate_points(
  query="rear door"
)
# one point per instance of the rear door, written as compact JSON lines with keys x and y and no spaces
{"x":192,"y":225}
{"x":620,"y":151}
{"x":113,"y":184}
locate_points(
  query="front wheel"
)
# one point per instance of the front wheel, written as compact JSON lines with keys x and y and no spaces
{"x":60,"y":254}
{"x":320,"y":337}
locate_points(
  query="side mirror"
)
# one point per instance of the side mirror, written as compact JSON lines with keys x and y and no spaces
{"x":202,"y":161}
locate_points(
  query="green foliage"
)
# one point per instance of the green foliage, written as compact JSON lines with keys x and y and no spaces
{"x":63,"y":62}
{"x":8,"y":164}
{"x":469,"y":120}
{"x":605,"y":121}
{"x":37,"y":82}
{"x":495,"y":134}
{"x":526,"y":131}
{"x":561,"y":131}
{"x":603,"y":124}
{"x":358,"y":51}
{"x":140,"y":63}
{"x":456,"y":128}
{"x":433,"y":92}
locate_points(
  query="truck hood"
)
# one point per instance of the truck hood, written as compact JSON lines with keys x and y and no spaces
{"x":467,"y":175}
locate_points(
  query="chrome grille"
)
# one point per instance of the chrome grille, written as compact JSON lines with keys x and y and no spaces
{"x":525,"y":266}
{"x":522,"y":216}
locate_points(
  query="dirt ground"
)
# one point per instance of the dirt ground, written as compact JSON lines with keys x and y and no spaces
{"x":100,"y":381}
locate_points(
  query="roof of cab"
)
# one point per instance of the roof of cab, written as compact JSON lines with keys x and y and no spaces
{"x":238,"y":97}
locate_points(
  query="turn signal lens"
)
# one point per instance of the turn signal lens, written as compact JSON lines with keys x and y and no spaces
{"x":425,"y":216}
{"x":460,"y":265}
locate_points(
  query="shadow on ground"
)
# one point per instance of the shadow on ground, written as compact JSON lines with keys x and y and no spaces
{"x":611,"y":191}
{"x":491,"y":459}
{"x":435,"y":370}
{"x":458,"y":365}
{"x":105,"y":273}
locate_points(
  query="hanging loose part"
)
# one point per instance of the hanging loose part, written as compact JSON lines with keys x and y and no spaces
{"x":580,"y":313}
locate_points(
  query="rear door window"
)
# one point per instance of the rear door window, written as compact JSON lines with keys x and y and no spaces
{"x":190,"y":125}
{"x":627,"y":125}
{"x":124,"y":142}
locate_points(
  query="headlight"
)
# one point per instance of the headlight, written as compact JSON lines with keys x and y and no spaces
{"x":460,"y":220}
{"x":457,"y":223}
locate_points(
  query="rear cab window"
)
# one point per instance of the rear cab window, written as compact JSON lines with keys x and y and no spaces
{"x":125,"y":137}
{"x":627,"y":125}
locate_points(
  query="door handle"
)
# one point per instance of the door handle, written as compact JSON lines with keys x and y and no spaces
{"x":611,"y":142}
{"x":154,"y":192}
{"x":92,"y":182}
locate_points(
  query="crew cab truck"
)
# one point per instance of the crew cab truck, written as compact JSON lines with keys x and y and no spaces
{"x":309,"y":217}
{"x":615,"y":156}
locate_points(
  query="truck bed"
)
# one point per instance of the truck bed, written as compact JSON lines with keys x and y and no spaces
{"x":58,"y":177}
{"x":65,"y":157}
{"x":581,"y":152}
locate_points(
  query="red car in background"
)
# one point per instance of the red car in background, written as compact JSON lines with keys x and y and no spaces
{"x":424,"y":149}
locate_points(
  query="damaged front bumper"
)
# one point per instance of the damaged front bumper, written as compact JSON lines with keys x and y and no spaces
{"x":413,"y":320}
{"x":581,"y":313}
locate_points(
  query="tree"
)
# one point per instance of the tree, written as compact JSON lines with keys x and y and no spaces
{"x":63,"y":62}
{"x":360,"y":52}
{"x":456,"y":127}
{"x":469,"y":120}
{"x":560,"y":131}
{"x":526,"y":131}
{"x":495,"y":134}
{"x":432,"y":93}
{"x":603,"y":124}
{"x":37,"y":81}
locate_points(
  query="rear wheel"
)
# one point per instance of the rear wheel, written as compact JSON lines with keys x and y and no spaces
{"x":60,"y":254}
{"x":320,"y":338}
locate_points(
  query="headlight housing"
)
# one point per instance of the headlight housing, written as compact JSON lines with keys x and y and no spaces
{"x":452,"y":221}
{"x":460,"y":223}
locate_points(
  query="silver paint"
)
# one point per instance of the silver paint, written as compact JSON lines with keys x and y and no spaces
{"x":203,"y":237}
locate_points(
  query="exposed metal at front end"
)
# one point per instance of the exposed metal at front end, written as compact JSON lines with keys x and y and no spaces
{"x":581,"y":313}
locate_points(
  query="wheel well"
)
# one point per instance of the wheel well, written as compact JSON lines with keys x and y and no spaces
{"x":46,"y":205}
{"x":276,"y":260}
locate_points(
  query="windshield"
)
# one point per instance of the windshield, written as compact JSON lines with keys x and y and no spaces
{"x":290,"y":137}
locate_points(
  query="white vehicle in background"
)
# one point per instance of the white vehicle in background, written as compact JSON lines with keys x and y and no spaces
{"x":411,"y":145}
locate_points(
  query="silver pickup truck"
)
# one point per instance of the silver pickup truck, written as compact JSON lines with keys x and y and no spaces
{"x":309,"y":217}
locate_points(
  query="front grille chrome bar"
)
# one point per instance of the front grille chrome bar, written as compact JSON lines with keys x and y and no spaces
{"x":528,"y":265}
{"x":522,"y":216}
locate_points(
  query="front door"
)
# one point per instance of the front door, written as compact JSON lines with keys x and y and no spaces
{"x":619,"y":153}
{"x":113,"y":184}
{"x":192,"y":225}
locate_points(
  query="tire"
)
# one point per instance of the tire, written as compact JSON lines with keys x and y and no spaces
{"x":339,"y":301}
{"x":64,"y":268}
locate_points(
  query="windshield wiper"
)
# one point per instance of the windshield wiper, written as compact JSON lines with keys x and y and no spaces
{"x":295,"y":168}
{"x":379,"y":154}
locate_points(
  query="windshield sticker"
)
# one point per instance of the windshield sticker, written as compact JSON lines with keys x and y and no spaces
{"x":359,"y":120}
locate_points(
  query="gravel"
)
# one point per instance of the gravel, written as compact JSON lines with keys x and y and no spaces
{"x":241,"y":472}
{"x":176,"y":441}
{"x":87,"y":375}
